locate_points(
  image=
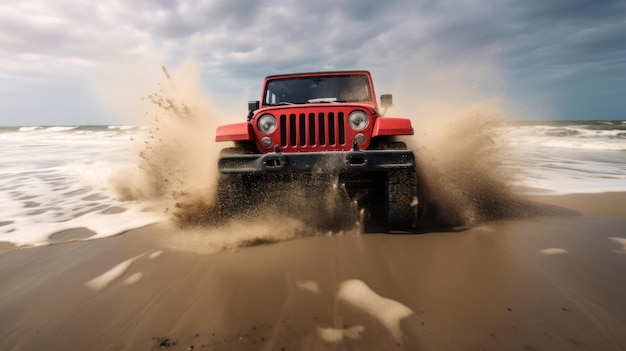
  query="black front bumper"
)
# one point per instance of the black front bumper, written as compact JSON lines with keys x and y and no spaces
{"x":317,"y":162}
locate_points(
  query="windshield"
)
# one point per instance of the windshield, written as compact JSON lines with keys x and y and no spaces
{"x":302,"y":90}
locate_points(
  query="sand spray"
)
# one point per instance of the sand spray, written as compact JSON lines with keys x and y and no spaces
{"x":461,"y":167}
{"x":178,"y":150}
{"x":464,"y":162}
{"x":458,"y":150}
{"x":178,"y":170}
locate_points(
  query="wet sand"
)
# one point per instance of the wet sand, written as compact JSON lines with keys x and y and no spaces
{"x":545,"y":283}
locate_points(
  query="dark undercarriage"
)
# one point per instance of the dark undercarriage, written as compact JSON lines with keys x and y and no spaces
{"x":378,"y":185}
{"x":317,"y":162}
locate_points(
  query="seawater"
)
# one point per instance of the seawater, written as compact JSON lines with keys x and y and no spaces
{"x":58,"y":178}
{"x":567,"y":157}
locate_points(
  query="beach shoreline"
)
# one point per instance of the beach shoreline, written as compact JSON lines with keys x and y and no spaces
{"x":550,"y":282}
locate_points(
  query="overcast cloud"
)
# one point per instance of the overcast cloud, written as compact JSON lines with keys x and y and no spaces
{"x":557,"y":59}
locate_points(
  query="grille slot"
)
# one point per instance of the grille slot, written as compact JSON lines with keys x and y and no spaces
{"x":312,"y":130}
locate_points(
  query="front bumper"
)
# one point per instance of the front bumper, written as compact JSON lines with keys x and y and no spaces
{"x":317,"y":162}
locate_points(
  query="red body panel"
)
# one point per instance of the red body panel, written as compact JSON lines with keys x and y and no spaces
{"x":315,"y":126}
{"x":392,"y":126}
{"x":234,"y":132}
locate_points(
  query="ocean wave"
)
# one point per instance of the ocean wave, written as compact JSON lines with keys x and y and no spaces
{"x":90,"y":134}
{"x":608,"y":145}
{"x":61,"y":128}
{"x":28,"y":129}
{"x":121,"y":127}
{"x":561,"y":132}
{"x":589,"y":135}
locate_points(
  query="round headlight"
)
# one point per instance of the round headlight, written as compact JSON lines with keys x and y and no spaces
{"x":358,"y":120}
{"x":267,"y":124}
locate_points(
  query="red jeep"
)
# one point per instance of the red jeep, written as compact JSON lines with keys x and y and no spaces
{"x":319,"y":126}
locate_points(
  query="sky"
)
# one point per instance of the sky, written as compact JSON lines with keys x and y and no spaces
{"x":69,"y":62}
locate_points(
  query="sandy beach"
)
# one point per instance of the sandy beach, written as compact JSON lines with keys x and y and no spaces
{"x":312,"y":176}
{"x":542,"y":283}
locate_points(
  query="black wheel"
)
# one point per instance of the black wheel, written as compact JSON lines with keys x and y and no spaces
{"x":402,"y":201}
{"x":231,"y":195}
{"x":326,"y":206}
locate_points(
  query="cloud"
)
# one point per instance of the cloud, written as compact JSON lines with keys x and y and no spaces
{"x":537,"y":48}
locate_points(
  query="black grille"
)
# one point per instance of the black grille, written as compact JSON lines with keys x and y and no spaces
{"x":311,"y":130}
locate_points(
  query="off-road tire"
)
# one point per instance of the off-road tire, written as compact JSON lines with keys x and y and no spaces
{"x":232,"y":195}
{"x":402,"y":201}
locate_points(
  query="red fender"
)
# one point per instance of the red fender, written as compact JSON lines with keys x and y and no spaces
{"x":392,"y":126}
{"x":234,"y":132}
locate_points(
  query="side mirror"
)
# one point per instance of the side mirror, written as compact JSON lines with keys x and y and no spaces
{"x":253,"y":105}
{"x":386,"y":100}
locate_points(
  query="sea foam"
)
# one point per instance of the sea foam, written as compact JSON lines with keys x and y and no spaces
{"x":51,"y":185}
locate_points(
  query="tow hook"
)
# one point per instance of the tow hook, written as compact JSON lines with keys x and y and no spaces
{"x":355,"y":146}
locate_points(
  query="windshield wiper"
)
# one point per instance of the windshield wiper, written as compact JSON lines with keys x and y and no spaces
{"x":321,"y":100}
{"x":281,"y":103}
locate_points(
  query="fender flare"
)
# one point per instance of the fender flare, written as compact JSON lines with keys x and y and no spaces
{"x":235,"y":132}
{"x":390,"y":126}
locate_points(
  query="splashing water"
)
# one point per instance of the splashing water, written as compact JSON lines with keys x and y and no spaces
{"x":467,"y":171}
{"x":464,"y":181}
{"x":58,"y":179}
{"x":179,"y":168}
{"x":179,"y":153}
